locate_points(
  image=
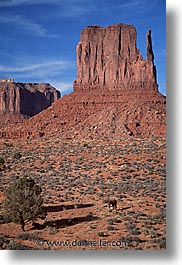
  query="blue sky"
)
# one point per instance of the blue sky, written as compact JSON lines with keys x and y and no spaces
{"x":38,"y":38}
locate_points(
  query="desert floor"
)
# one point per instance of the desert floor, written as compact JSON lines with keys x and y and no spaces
{"x":77,"y":179}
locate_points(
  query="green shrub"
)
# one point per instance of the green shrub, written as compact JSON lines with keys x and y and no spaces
{"x":90,"y":215}
{"x":101,"y":233}
{"x":24,"y":236}
{"x":162,"y":242}
{"x":1,"y":240}
{"x":24,"y":202}
{"x":17,"y":155}
{"x":2,"y":221}
{"x":110,"y":227}
{"x":52,"y":231}
{"x":12,"y":245}
{"x":2,"y":161}
{"x":41,"y":134}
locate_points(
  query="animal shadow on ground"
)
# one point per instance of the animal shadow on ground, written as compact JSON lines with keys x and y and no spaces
{"x":61,"y":223}
{"x":58,"y":208}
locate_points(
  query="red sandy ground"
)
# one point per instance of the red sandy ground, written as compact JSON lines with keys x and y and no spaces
{"x":77,"y":178}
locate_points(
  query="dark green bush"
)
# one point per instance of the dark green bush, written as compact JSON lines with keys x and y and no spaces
{"x":24,"y":202}
{"x":162,"y":242}
{"x":2,"y":161}
{"x":110,"y":227}
{"x":12,"y":245}
{"x":17,"y":155}
{"x":24,"y":236}
{"x":101,"y":233}
{"x":2,"y":221}
{"x":41,"y":134}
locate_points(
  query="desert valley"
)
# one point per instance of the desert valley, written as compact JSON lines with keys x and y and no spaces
{"x":104,"y":141}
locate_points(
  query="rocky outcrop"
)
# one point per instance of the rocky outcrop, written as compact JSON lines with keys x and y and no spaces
{"x":25,"y":98}
{"x":115,"y":93}
{"x":88,"y":115}
{"x":108,"y":58}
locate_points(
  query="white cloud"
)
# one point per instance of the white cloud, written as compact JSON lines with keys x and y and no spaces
{"x":44,"y":65}
{"x":131,"y":4}
{"x":68,"y":8}
{"x":28,"y":69}
{"x":137,"y":5}
{"x":25,"y":68}
{"x":62,"y":86}
{"x":38,"y":70}
{"x":26,"y":24}
{"x":10,"y":3}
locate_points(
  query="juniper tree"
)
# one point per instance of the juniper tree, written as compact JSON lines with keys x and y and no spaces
{"x":24,"y":202}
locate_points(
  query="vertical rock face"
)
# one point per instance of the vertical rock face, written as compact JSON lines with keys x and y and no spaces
{"x":108,"y":58}
{"x":25,"y":98}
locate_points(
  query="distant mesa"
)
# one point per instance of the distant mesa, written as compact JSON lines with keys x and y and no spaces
{"x":25,"y":98}
{"x":115,"y":93}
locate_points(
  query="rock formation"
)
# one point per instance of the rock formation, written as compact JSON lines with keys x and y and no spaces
{"x":108,"y":58}
{"x":25,"y":98}
{"x":115,"y":92}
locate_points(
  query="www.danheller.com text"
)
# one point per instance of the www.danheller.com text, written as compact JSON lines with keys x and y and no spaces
{"x":82,"y":243}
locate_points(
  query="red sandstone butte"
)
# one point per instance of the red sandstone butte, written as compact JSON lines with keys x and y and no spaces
{"x":115,"y":92}
{"x":108,"y":58}
{"x":19,"y":100}
{"x":25,"y":98}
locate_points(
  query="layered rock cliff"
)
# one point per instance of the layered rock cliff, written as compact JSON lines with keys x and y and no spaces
{"x":115,"y":93}
{"x":108,"y":58}
{"x":25,"y":98}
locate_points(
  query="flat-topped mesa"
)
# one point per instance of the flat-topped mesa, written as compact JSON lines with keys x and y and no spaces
{"x":108,"y":58}
{"x":26,"y":99}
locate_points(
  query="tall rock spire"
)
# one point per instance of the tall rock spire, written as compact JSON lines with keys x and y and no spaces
{"x":150,"y":54}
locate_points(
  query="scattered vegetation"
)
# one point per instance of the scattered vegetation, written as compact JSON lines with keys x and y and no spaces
{"x":72,"y":174}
